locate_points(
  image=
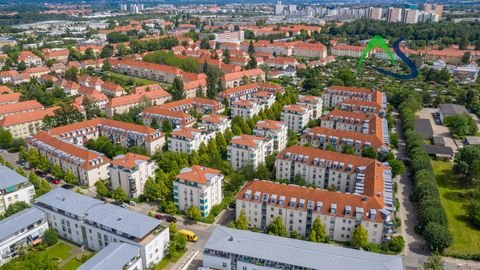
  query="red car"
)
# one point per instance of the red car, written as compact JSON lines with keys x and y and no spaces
{"x":158,"y":216}
{"x":56,"y":182}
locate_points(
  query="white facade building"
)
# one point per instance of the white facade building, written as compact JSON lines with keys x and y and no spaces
{"x":20,"y":230}
{"x":275,"y":130}
{"x":188,"y":139}
{"x":296,"y":117}
{"x":14,"y":188}
{"x":245,"y":109}
{"x":130,"y":172}
{"x":216,"y":122}
{"x":94,"y":224}
{"x":314,"y":103}
{"x":115,"y":256}
{"x":198,"y":186}
{"x":248,"y":150}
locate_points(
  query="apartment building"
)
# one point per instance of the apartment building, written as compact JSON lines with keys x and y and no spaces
{"x":29,"y":58}
{"x":333,"y":95}
{"x":119,"y":105}
{"x":156,"y":72}
{"x":247,"y":90}
{"x":193,"y":88}
{"x":112,"y":89}
{"x":87,"y":166}
{"x":9,"y":98}
{"x":321,"y":137}
{"x":215,"y":122}
{"x":410,"y":16}
{"x":296,"y":117}
{"x":91,"y":81}
{"x":246,"y":150}
{"x":375,"y":13}
{"x":362,"y":106}
{"x":299,"y":207}
{"x":14,"y":188}
{"x":20,"y":107}
{"x":21,"y":230}
{"x":130,"y":172}
{"x":126,"y":134}
{"x":235,"y":79}
{"x":357,"y":122}
{"x":198,"y":186}
{"x":242,"y":249}
{"x":348,"y":51}
{"x":58,"y":54}
{"x":265,"y":46}
{"x":275,"y":130}
{"x":200,"y":105}
{"x":313,"y":102}
{"x":231,"y":37}
{"x":69,"y":87}
{"x":264,"y":98}
{"x":159,"y":114}
{"x":188,"y":139}
{"x":95,"y":224}
{"x":394,"y":15}
{"x":26,"y":124}
{"x":121,"y":256}
{"x":310,"y":50}
{"x":245,"y":109}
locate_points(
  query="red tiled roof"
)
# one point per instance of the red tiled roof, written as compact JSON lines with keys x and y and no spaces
{"x":239,"y":75}
{"x":12,"y":97}
{"x":350,"y":89}
{"x":295,"y":108}
{"x":129,"y":160}
{"x":214,"y":118}
{"x":186,"y":132}
{"x":374,"y":140}
{"x":270,"y":124}
{"x":135,"y":98}
{"x":20,"y":106}
{"x":5,"y":89}
{"x":197,"y":174}
{"x":26,"y":117}
{"x":247,"y":140}
{"x":145,"y":65}
{"x":315,"y":195}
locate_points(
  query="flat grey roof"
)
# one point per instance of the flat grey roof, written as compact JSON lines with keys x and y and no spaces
{"x":9,"y":177}
{"x":16,"y":222}
{"x":424,"y":128}
{"x":112,"y":216}
{"x":113,"y":257}
{"x":472,"y":139}
{"x":298,"y":252}
{"x":438,"y":150}
{"x":122,"y":220}
{"x":68,"y":201}
{"x":451,"y":109}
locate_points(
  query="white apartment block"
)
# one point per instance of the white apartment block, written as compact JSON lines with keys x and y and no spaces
{"x":248,"y":150}
{"x":298,"y":207}
{"x":21,"y":230}
{"x":87,"y":166}
{"x":348,"y":51}
{"x":215,"y":122}
{"x":177,"y":119}
{"x":296,"y":117}
{"x":264,"y":98}
{"x":264,"y":46}
{"x":245,"y":109}
{"x":235,"y":79}
{"x":156,"y":72}
{"x":247,"y":90}
{"x":122,"y":256}
{"x":313,"y":102}
{"x":123,"y":104}
{"x":228,"y":249}
{"x":198,"y":186}
{"x":126,"y":134}
{"x":228,"y":36}
{"x":95,"y":224}
{"x":130,"y":172}
{"x":188,"y":139}
{"x":310,"y":50}
{"x":14,"y":188}
{"x":275,"y":130}
{"x":26,"y":124}
{"x":321,"y":137}
{"x":333,"y":95}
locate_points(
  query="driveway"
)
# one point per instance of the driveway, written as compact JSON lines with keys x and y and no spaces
{"x":438,"y":129}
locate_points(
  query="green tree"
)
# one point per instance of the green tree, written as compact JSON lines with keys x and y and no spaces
{"x":102,"y":189}
{"x":251,"y":48}
{"x":277,"y":227}
{"x":396,"y":244}
{"x":72,"y":74}
{"x":57,"y":171}
{"x":369,"y":152}
{"x":65,"y":115}
{"x":50,"y":237}
{"x":89,"y":54}
{"x":154,"y":124}
{"x":473,"y":211}
{"x":152,"y":190}
{"x":461,"y":125}
{"x":241,"y":222}
{"x":434,"y":262}
{"x":172,"y":229}
{"x":43,"y":163}
{"x":226,"y":56}
{"x":119,"y":195}
{"x":193,"y":213}
{"x":15,"y":208}
{"x":6,"y":138}
{"x":204,"y":44}
{"x":21,"y":66}
{"x":331,"y":148}
{"x":318,"y":234}
{"x":360,"y":238}
{"x":348,"y":149}
{"x":178,"y":91}
{"x":397,"y":167}
{"x":437,"y":236}
{"x":167,"y":127}
{"x":70,"y":178}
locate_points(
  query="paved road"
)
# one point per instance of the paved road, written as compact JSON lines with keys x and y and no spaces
{"x":416,"y":253}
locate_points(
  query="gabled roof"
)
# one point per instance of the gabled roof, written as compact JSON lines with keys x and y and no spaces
{"x":129,"y":160}
{"x":198,"y":174}
{"x":247,"y":140}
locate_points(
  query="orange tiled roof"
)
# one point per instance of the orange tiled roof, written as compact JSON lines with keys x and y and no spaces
{"x":214,"y":118}
{"x":11,"y":97}
{"x":375,"y":141}
{"x":270,"y":124}
{"x":350,"y":89}
{"x":129,"y":160}
{"x":145,"y":65}
{"x":247,"y":140}
{"x":197,"y":174}
{"x":186,"y":132}
{"x":239,"y":75}
{"x":26,"y":117}
{"x":295,"y":108}
{"x":20,"y":106}
{"x":135,"y":98}
{"x":5,"y":89}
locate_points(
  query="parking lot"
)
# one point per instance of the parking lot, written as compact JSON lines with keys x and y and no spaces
{"x":438,"y":129}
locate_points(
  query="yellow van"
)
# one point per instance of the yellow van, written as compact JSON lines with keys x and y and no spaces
{"x":190,"y":235}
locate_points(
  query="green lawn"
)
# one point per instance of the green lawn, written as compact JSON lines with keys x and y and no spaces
{"x":60,"y":250}
{"x":139,"y":81}
{"x":466,"y":238}
{"x":72,"y":265}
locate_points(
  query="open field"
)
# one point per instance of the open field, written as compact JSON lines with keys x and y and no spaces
{"x":466,"y":238}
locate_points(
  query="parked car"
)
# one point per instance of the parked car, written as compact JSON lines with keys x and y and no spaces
{"x":170,"y":219}
{"x":68,"y":186}
{"x":132,"y":203}
{"x":124,"y":205}
{"x":55,"y":181}
{"x":158,"y":216}
{"x":49,"y":178}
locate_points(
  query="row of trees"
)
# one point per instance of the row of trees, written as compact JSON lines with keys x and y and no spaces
{"x":188,"y":64}
{"x":432,"y":218}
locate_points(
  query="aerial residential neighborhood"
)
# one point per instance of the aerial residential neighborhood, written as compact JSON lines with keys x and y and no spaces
{"x":254,"y":136}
